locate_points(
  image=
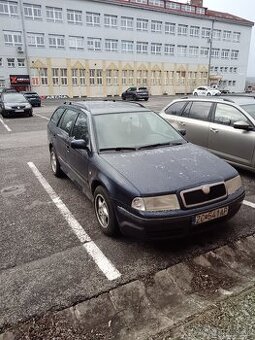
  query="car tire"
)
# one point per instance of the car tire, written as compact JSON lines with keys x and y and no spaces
{"x":54,"y":164}
{"x":146,"y":99}
{"x":134,"y":97}
{"x":209,"y":94}
{"x":195,"y":94}
{"x":105,"y":212}
{"x":123,"y":98}
{"x":30,"y":114}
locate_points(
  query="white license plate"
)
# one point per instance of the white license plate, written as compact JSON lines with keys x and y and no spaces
{"x":211,"y":215}
{"x":19,"y":110}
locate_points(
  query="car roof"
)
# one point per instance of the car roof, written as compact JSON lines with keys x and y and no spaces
{"x":103,"y":107}
{"x":235,"y":99}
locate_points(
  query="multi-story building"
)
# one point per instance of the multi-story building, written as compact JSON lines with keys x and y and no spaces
{"x":99,"y":48}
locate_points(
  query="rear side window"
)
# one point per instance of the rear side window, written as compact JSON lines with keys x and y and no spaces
{"x":56,"y":115}
{"x":175,"y":109}
{"x":199,"y":110}
{"x":68,"y":120}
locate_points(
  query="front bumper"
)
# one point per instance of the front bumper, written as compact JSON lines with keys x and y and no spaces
{"x":179,"y":224}
{"x":16,"y":112}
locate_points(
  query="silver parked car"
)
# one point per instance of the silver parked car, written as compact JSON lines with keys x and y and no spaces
{"x":224,"y":126}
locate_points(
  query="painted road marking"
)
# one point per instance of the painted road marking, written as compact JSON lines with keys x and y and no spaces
{"x":249,"y":204}
{"x":97,"y":255}
{"x":5,"y":125}
{"x":40,"y":116}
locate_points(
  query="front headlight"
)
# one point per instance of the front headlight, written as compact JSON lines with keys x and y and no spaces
{"x":28,"y":106}
{"x":157,"y":203}
{"x":233,"y":185}
{"x":7,"y":107}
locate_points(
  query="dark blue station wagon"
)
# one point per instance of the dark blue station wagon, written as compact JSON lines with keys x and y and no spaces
{"x":143,"y":177}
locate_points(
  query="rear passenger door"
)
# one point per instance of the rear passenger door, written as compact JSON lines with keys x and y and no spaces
{"x":232,"y":144}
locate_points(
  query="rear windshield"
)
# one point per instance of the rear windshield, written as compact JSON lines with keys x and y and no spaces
{"x":250,"y":108}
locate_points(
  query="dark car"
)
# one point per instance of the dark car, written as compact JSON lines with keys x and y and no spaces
{"x":141,"y":175}
{"x":33,"y":98}
{"x":14,"y":104}
{"x":7,"y":89}
{"x":134,"y":93}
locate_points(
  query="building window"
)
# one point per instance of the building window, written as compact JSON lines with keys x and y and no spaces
{"x":235,"y":70}
{"x":95,"y":77}
{"x":142,"y":24}
{"x":188,"y":8}
{"x":76,"y":43}
{"x":225,"y":54}
{"x":35,"y":79}
{"x":111,"y":21}
{"x":10,"y":62}
{"x":43,"y":73}
{"x":173,"y":5}
{"x":124,"y":77}
{"x":226,"y":35}
{"x":32,"y":11}
{"x":204,"y":52}
{"x":234,"y":54}
{"x":142,"y":47}
{"x":156,"y":48}
{"x":111,"y":45}
{"x":74,"y":17}
{"x":182,"y":50}
{"x":156,"y":77}
{"x":21,"y":62}
{"x":193,"y":51}
{"x":63,"y":76}
{"x":182,"y":29}
{"x":74,"y":76}
{"x":35,"y":39}
{"x":142,"y":77}
{"x":55,"y":76}
{"x":112,"y":77}
{"x":82,"y":73}
{"x":194,"y":31}
{"x":170,"y":28}
{"x":206,"y":33}
{"x":127,"y":46}
{"x":92,"y":19}
{"x":127,"y":23}
{"x":12,"y":38}
{"x":200,"y":10}
{"x":56,"y":41}
{"x":9,"y":8}
{"x":156,"y":26}
{"x":215,"y":53}
{"x":54,"y":14}
{"x":236,"y":36}
{"x":169,"y":49}
{"x":94,"y":44}
{"x":216,"y":34}
{"x":159,"y":3}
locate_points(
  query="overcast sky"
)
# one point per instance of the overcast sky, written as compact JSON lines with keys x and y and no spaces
{"x":244,"y":9}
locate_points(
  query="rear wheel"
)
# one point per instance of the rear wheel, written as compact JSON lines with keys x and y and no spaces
{"x":208,"y":94}
{"x":54,"y":164}
{"x":195,"y":94}
{"x":104,"y":212}
{"x":134,"y":97}
{"x":146,"y":99}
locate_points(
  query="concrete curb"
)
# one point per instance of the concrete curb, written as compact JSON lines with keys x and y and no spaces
{"x":144,"y":308}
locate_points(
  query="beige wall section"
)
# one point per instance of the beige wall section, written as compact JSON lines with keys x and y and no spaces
{"x":163,"y":78}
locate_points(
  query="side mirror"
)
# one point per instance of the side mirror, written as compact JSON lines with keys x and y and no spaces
{"x":80,"y":144}
{"x":242,"y":125}
{"x":182,"y":132}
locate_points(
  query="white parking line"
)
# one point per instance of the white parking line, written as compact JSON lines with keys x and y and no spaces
{"x":249,"y":204}
{"x":100,"y":259}
{"x":41,"y":116}
{"x":5,"y":125}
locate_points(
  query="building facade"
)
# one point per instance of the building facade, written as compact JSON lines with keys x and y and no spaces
{"x":99,"y":48}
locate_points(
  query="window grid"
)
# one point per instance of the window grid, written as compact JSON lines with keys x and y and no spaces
{"x":156,"y":48}
{"x":76,"y":43}
{"x":9,"y":8}
{"x":35,"y":39}
{"x":170,"y":28}
{"x":111,"y":21}
{"x":141,"y":47}
{"x":94,"y":44}
{"x":21,"y":62}
{"x":33,"y":12}
{"x":156,"y":26}
{"x":56,"y":41}
{"x":12,"y":38}
{"x":92,"y":19}
{"x":10,"y":62}
{"x":127,"y":23}
{"x":111,"y":45}
{"x":169,"y":49}
{"x":142,"y":24}
{"x":127,"y":46}
{"x":194,"y":31}
{"x":74,"y":17}
{"x":182,"y":29}
{"x":54,"y":14}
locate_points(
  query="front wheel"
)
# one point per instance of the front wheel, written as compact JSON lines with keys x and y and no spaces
{"x":104,"y":212}
{"x":54,"y":164}
{"x":208,"y":94}
{"x":195,"y":94}
{"x":146,"y":99}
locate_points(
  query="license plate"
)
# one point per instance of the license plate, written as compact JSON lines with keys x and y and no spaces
{"x":19,"y":110}
{"x":211,"y":215}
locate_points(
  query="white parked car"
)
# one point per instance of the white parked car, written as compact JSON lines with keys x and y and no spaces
{"x":206,"y":91}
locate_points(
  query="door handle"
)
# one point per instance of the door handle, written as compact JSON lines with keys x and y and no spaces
{"x":182,"y":123}
{"x":68,"y":148}
{"x":214,"y":130}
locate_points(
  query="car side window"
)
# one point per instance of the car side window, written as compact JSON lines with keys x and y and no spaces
{"x":175,"y":109}
{"x":200,"y":110}
{"x":228,"y":115}
{"x":67,"y":120}
{"x":56,"y":115}
{"x":80,"y":129}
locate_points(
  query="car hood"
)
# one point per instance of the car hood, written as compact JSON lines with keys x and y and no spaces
{"x":169,"y":169}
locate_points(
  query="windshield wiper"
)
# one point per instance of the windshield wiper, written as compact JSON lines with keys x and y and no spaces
{"x":118,"y":149}
{"x":159,"y":144}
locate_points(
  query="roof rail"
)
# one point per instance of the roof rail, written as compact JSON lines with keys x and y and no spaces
{"x":227,"y":100}
{"x":120,"y":100}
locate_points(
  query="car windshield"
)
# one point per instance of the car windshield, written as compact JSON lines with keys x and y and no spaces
{"x":134,"y":130}
{"x":14,"y":98}
{"x":250,"y":108}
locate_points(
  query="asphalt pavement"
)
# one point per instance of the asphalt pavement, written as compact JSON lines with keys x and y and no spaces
{"x":52,"y":281}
